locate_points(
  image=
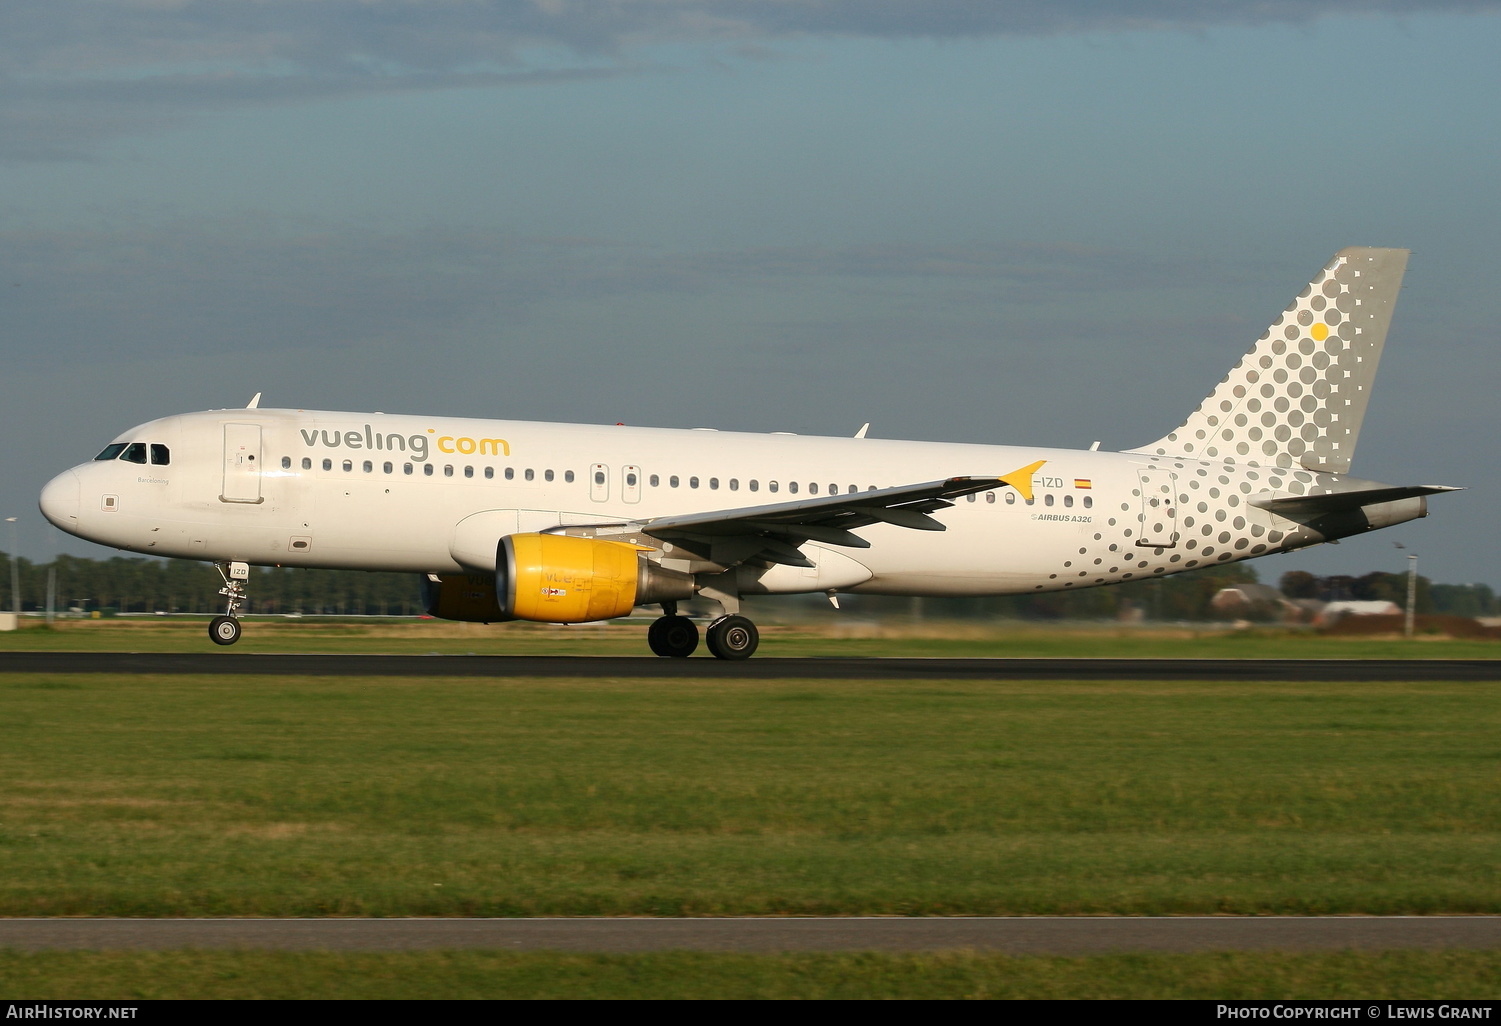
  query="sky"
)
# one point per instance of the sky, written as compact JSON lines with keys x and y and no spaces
{"x":971,"y":220}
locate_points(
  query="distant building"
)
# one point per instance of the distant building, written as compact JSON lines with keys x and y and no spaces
{"x":1252,"y":602}
{"x":1336,"y":611}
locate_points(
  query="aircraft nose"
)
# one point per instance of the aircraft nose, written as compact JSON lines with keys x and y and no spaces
{"x":60,"y":501}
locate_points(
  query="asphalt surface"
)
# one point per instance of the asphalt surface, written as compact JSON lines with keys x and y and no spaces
{"x":218,"y":661}
{"x":1019,"y":936}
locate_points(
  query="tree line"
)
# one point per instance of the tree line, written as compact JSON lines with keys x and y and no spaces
{"x":140,"y":585}
{"x":143,"y":585}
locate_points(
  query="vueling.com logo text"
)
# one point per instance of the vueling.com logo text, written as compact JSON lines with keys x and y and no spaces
{"x":417,"y":445}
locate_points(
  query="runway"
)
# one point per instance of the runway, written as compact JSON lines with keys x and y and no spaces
{"x":1010,"y":935}
{"x":500,"y":666}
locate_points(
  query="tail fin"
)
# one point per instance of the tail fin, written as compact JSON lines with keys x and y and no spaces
{"x":1299,"y":396}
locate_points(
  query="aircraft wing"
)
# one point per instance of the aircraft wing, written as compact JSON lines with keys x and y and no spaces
{"x":773,"y":532}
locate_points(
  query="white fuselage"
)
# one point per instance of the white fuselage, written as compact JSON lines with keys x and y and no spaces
{"x":432,"y":495}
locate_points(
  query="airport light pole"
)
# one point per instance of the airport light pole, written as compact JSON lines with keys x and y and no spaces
{"x":1412,"y":591}
{"x":15,"y":571}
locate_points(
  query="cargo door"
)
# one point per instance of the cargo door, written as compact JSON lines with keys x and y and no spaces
{"x":1159,"y":508}
{"x":242,"y":463}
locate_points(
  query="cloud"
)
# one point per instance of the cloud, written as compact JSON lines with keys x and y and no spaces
{"x":72,"y":74}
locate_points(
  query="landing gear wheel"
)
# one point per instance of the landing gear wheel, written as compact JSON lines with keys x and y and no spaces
{"x":733,"y":637}
{"x":674,"y":637}
{"x":224,"y":630}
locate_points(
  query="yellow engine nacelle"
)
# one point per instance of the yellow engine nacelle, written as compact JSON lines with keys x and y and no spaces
{"x":461,"y":597}
{"x":558,"y":578}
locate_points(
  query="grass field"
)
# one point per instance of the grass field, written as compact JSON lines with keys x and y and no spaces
{"x":336,"y":796}
{"x":470,"y":974}
{"x":818,"y":637}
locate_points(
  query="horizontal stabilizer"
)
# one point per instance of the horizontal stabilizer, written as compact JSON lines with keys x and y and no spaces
{"x":1335,"y":502}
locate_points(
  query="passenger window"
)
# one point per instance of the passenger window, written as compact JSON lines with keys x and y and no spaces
{"x":489,"y":473}
{"x":1068,"y":500}
{"x":673,"y":481}
{"x":328,"y":464}
{"x":755,"y":485}
{"x":427,"y":470}
{"x":771,"y":486}
{"x":1047,"y":500}
{"x":568,"y":477}
{"x":348,"y":466}
{"x":160,"y":457}
{"x":510,"y":473}
{"x":307,"y":464}
{"x":468,"y":471}
{"x":1011,"y":498}
{"x":714,"y":484}
{"x":599,"y":477}
{"x":112,"y":451}
{"x":530,"y":474}
{"x":1089,"y":502}
{"x":448,"y":470}
{"x":387,"y":467}
{"x":734,"y":485}
{"x":792,"y":487}
{"x":547,"y":475}
{"x":135,"y":452}
{"x":970,"y":497}
{"x":630,"y":480}
{"x":813,"y":488}
{"x":693,"y":482}
{"x":406,"y":468}
{"x":368,"y":467}
{"x":286,"y":463}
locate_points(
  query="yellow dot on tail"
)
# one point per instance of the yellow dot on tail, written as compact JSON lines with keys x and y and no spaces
{"x":1320,"y":332}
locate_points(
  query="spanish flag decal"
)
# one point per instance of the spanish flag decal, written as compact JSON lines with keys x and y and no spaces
{"x":1082,"y":482}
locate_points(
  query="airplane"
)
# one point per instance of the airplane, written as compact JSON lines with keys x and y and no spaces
{"x":573,"y":523}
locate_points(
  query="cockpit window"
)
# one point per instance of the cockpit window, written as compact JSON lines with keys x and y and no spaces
{"x":135,"y":452}
{"x":161,"y":456}
{"x":112,"y":450}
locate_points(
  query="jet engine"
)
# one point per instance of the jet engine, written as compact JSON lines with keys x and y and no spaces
{"x":558,"y":578}
{"x":465,"y":597}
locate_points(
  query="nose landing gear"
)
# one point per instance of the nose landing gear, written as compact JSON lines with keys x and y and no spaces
{"x":225,"y":630}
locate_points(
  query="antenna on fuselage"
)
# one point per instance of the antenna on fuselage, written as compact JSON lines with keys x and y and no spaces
{"x":863,"y":428}
{"x":255,"y":402}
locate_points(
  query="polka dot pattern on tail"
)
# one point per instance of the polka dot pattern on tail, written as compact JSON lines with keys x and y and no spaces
{"x":1298,"y":398}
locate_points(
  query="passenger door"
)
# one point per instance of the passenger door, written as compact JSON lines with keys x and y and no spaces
{"x":242,"y":463}
{"x":1159,"y":508}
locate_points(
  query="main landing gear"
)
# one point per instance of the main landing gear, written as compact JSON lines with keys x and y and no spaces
{"x":676,"y":637}
{"x":733,"y":637}
{"x":672,"y":636}
{"x":225,"y":630}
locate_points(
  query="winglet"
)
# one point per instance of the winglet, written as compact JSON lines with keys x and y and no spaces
{"x":254,"y":403}
{"x":1021,"y":479}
